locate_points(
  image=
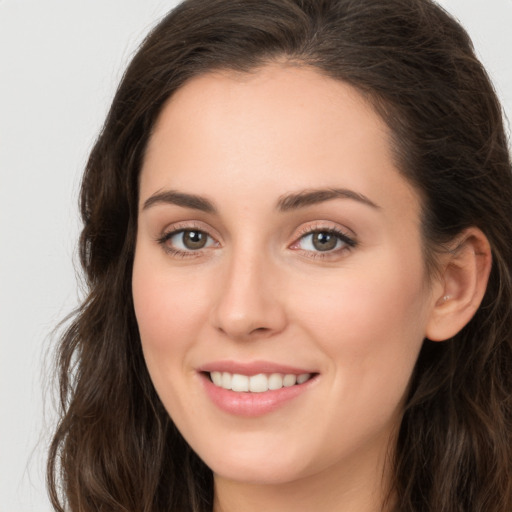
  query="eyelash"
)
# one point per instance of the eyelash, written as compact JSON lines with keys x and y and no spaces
{"x":348,"y":242}
{"x":164,"y":239}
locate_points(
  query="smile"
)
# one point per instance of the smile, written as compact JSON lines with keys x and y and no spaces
{"x":259,"y":383}
{"x":254,"y":389}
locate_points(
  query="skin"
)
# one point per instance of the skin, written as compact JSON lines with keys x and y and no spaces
{"x":259,"y":290}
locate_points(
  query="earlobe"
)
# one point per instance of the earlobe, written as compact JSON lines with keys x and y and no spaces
{"x":464,"y":275}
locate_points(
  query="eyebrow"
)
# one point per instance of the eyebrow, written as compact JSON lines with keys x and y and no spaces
{"x":311,"y":197}
{"x":180,"y":199}
{"x":285,"y":203}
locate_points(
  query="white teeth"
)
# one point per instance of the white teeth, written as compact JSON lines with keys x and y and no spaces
{"x":216,"y":378}
{"x":289,"y":380}
{"x":257,"y":383}
{"x":226,"y":380}
{"x":240,"y":382}
{"x":303,"y":377}
{"x":275,"y":381}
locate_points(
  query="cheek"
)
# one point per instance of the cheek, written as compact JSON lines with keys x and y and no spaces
{"x":364,"y":307}
{"x":169,"y":310}
{"x":169,"y":313}
{"x":371,"y":323}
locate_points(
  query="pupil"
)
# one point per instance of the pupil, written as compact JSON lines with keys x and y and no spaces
{"x":324,"y":241}
{"x":194,"y":239}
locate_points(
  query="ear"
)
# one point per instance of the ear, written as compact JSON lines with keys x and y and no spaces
{"x":463,"y":280}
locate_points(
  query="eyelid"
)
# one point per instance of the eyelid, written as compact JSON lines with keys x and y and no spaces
{"x":189,"y":225}
{"x":323,"y":225}
{"x":346,"y":235}
{"x":193,"y":225}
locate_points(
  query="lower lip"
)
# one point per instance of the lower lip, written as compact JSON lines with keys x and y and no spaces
{"x":253,"y":404}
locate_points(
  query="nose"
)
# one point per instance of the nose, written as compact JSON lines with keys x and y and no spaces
{"x":249,"y":304}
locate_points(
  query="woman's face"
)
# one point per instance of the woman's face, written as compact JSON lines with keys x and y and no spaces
{"x":278,"y":250}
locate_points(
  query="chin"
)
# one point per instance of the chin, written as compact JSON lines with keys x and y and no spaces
{"x":242,"y":471}
{"x":258,"y":462}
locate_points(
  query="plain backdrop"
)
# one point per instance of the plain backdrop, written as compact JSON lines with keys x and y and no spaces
{"x":60,"y":61}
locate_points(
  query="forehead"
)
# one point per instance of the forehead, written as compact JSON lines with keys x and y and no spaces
{"x":285,"y":100}
{"x":274,"y":130}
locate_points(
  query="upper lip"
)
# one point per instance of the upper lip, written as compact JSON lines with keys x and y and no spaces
{"x":252,"y":368}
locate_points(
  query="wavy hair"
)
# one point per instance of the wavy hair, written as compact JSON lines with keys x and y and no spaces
{"x":115,"y":447}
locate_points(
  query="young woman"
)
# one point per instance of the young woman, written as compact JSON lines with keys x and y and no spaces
{"x":297,"y":225}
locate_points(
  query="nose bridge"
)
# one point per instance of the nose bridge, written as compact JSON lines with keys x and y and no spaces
{"x":248,"y":303}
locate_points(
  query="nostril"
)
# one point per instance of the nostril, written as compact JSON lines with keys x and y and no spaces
{"x":260,"y":329}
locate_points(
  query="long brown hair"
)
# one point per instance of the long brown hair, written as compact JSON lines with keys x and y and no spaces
{"x":115,"y":448}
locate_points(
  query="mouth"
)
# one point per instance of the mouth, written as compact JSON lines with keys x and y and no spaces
{"x":259,"y":383}
{"x":256,"y":388}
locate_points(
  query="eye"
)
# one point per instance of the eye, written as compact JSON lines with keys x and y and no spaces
{"x":321,"y":241}
{"x":186,"y":241}
{"x":324,"y":241}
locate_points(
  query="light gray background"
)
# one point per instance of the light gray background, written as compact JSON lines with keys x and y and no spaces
{"x":60,"y":61}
